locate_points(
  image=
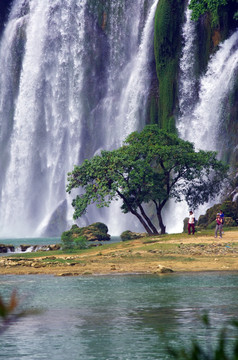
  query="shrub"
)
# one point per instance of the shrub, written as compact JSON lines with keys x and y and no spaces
{"x":67,"y":240}
{"x":81,"y":243}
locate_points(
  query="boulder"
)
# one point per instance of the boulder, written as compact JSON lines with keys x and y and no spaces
{"x":24,"y":247}
{"x":76,"y":235}
{"x":163,"y":270}
{"x":54,"y":247}
{"x":129,"y":235}
{"x":6,"y":248}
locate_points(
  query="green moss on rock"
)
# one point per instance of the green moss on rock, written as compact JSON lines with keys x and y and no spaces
{"x":76,"y":235}
{"x":167,"y":45}
{"x":129,"y":235}
{"x":229,"y":208}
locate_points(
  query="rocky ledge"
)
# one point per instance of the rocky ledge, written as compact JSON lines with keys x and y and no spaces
{"x":31,"y":248}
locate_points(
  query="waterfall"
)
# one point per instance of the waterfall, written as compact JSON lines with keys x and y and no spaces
{"x":201,"y":125}
{"x":187,"y":81}
{"x":70,"y":85}
{"x":201,"y":114}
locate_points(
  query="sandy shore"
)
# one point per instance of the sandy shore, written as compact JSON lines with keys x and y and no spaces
{"x":179,"y":253}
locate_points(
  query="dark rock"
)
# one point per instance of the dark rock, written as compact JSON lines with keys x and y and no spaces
{"x":6,"y":248}
{"x":24,"y":247}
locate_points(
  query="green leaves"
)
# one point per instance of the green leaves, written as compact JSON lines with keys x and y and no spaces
{"x":152,"y":165}
{"x":200,"y":7}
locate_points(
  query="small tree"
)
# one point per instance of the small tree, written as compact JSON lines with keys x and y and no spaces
{"x":152,"y":166}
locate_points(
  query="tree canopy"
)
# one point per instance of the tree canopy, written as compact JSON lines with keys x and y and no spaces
{"x":152,"y":166}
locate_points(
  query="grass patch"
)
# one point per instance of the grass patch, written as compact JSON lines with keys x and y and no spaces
{"x":37,"y":254}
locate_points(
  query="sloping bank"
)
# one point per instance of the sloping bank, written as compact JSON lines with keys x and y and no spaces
{"x":177,"y":252}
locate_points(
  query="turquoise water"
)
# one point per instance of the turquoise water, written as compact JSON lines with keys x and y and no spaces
{"x":30,"y":241}
{"x":115,"y":317}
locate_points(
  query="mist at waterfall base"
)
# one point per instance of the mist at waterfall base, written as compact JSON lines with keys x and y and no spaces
{"x":70,"y":87}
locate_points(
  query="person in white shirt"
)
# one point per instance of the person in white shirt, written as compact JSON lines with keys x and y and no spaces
{"x":191,"y":223}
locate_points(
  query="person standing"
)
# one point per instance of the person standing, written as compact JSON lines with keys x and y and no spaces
{"x":191,"y":223}
{"x":222,"y":216}
{"x":218,"y":226}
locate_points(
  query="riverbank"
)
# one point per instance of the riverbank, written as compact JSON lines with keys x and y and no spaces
{"x":178,"y":252}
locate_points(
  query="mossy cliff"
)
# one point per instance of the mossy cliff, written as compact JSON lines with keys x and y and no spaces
{"x":169,"y":17}
{"x":167,"y":45}
{"x":211,"y":34}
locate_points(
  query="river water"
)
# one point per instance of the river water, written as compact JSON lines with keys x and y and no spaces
{"x":116,"y":317}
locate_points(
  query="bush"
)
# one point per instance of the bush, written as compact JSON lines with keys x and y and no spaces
{"x":67,"y":240}
{"x":230,"y":209}
{"x":81,"y":243}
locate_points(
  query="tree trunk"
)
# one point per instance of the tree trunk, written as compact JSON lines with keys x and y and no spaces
{"x":147,"y":219}
{"x":159,"y":216}
{"x":150,"y":231}
{"x":147,"y":228}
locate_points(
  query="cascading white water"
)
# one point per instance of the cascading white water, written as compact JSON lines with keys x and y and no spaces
{"x":63,"y":80}
{"x":130,"y":105}
{"x":44,"y":139}
{"x":201,"y":114}
{"x":75,"y":78}
{"x":174,"y":213}
{"x":201,"y":126}
{"x":135,"y":94}
{"x":187,"y":81}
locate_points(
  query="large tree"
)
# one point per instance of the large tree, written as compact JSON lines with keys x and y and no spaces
{"x":152,"y":166}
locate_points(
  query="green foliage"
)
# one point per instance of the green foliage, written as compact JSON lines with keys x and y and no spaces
{"x":200,"y":7}
{"x":70,"y":242}
{"x":229,"y":208}
{"x":153,"y":116}
{"x":222,"y":350}
{"x":81,"y":243}
{"x":152,"y":166}
{"x":167,"y":40}
{"x":67,"y":240}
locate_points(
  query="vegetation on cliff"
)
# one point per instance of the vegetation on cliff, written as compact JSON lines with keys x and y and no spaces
{"x":200,"y":7}
{"x":215,"y":20}
{"x":152,"y":166}
{"x":167,"y":44}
